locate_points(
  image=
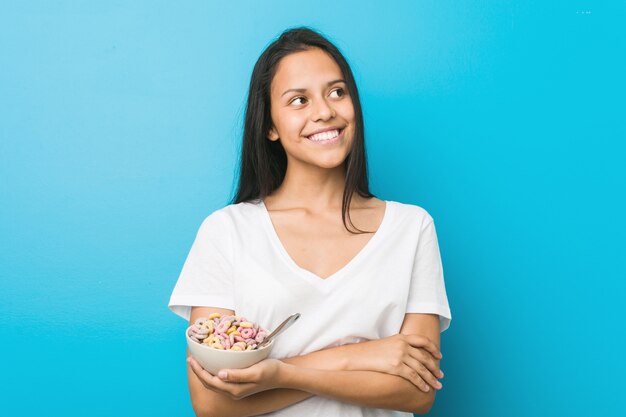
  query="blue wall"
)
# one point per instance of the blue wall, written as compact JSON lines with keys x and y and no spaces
{"x":119,"y":129}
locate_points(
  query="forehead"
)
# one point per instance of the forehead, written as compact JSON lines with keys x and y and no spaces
{"x":305,"y":69}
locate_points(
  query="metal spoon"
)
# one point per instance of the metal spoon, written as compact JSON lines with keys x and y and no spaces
{"x":283,"y":326}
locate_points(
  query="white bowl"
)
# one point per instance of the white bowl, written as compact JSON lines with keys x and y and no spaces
{"x":214,"y":359}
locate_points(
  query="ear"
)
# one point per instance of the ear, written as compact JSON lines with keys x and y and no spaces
{"x":273,"y":134}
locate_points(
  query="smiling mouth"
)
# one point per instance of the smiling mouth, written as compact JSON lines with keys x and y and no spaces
{"x":327,"y":136}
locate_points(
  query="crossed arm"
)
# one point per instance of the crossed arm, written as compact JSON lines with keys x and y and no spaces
{"x":370,"y":374}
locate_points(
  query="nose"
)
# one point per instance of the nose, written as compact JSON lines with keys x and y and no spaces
{"x":322,"y":111}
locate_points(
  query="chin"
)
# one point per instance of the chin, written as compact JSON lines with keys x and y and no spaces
{"x":331,"y":164}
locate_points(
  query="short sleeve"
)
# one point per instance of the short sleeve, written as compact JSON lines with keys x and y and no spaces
{"x":427,"y":293}
{"x":206,"y":277}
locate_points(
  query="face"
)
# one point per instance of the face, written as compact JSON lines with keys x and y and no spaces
{"x":308,"y":95}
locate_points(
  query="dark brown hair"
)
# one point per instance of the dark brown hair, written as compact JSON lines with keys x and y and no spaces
{"x":263,"y":162}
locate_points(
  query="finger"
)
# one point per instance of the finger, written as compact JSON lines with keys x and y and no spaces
{"x":414,"y":377}
{"x":239,"y":390}
{"x":236,"y":390}
{"x":216,"y":384}
{"x":427,"y":360}
{"x":203,"y":374}
{"x":426,"y":343}
{"x":238,"y":375}
{"x":424,"y":373}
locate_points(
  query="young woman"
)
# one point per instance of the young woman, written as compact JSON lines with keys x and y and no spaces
{"x":305,"y":235}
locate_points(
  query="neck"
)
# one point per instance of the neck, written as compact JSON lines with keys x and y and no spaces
{"x":314,"y":188}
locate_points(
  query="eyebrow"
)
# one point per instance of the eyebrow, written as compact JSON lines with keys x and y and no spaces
{"x":302,"y":90}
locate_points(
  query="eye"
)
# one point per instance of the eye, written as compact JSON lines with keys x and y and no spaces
{"x":339,"y":90}
{"x":297,"y":98}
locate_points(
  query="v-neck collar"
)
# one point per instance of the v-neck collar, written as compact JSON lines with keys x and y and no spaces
{"x":305,"y":273}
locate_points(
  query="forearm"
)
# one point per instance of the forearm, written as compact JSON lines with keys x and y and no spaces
{"x":208,"y":403}
{"x":330,"y":373}
{"x":211,"y":404}
{"x":364,"y":388}
{"x":331,"y":359}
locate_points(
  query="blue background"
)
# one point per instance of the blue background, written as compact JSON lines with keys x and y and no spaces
{"x":120,"y":125}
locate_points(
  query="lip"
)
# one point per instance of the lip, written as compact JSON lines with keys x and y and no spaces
{"x":329,"y":141}
{"x":326,"y":129}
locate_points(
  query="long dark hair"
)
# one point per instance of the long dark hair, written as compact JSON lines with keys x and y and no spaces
{"x":264,"y":162}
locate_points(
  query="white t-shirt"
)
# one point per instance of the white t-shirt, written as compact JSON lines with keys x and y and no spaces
{"x":238,"y":262}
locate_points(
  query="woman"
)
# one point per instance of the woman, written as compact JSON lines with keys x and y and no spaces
{"x":304,"y":234}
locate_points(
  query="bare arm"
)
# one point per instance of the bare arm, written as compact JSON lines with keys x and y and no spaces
{"x":320,"y":373}
{"x":206,"y":402}
{"x":371,"y":389}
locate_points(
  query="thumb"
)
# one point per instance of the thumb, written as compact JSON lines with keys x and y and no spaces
{"x":232,"y":375}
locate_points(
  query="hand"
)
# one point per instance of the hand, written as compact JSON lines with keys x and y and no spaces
{"x":240,"y":383}
{"x":411,"y":357}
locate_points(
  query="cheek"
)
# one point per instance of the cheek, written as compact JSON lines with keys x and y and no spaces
{"x":289,"y":124}
{"x":346,"y":110}
{"x":294,"y":124}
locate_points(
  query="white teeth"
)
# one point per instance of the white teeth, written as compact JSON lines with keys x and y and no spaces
{"x":325,"y":135}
